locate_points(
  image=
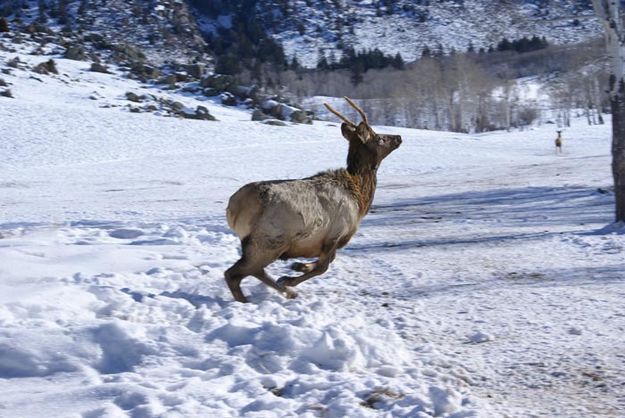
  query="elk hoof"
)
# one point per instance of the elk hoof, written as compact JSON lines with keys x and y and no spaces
{"x":297,"y":266}
{"x":290,"y":293}
{"x":285,"y":281}
{"x":302,"y":267}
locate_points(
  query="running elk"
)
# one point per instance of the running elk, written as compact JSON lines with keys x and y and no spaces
{"x":310,"y":217}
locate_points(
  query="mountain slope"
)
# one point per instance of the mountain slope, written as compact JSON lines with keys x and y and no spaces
{"x":168,"y":30}
{"x":163,"y":30}
{"x":306,"y":27}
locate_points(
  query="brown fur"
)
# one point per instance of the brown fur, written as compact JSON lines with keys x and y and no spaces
{"x":362,"y":188}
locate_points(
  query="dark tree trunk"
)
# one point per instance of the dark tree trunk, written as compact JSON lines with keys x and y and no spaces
{"x":618,"y":149}
{"x":612,"y":19}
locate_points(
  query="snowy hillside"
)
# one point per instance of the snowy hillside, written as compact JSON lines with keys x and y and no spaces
{"x":481,"y":283}
{"x":173,"y":30}
{"x":163,"y":30}
{"x":305,"y":28}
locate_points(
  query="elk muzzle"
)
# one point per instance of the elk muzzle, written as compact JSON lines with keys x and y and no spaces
{"x":393,"y":141}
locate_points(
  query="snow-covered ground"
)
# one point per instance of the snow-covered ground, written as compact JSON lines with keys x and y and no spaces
{"x":481,"y":284}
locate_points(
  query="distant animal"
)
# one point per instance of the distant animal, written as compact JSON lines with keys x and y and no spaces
{"x":559,"y":142}
{"x":310,"y":217}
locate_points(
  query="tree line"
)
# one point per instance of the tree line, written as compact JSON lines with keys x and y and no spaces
{"x":462,"y":92}
{"x":448,"y":90}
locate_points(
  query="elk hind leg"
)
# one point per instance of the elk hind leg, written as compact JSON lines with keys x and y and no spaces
{"x":234,"y":275}
{"x":321,"y":266}
{"x":253,"y":263}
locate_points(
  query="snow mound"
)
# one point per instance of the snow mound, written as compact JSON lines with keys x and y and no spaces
{"x":16,"y":361}
{"x":119,"y":351}
{"x":126,"y":233}
{"x":308,"y":344}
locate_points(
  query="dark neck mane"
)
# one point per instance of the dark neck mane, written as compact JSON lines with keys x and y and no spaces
{"x":362,"y":170}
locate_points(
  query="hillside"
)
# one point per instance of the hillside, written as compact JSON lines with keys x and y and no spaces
{"x":307,"y":27}
{"x":170,"y":30}
{"x":164,"y":31}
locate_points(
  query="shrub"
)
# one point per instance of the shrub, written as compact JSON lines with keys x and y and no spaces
{"x":99,"y":68}
{"x":14,"y":63}
{"x":48,"y":67}
{"x":527,"y":115}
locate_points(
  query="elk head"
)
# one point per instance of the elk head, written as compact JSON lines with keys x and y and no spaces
{"x":367,"y":148}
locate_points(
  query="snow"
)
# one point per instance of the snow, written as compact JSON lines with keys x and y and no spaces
{"x":453,"y":25}
{"x":484,"y":282}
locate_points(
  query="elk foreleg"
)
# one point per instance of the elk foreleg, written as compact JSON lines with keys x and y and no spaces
{"x":269,"y":281}
{"x":303,"y":267}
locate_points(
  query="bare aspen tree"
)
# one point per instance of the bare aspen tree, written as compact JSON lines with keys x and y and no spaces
{"x":451,"y":96}
{"x":562,"y":94}
{"x":432,"y":88}
{"x":609,"y":14}
{"x":509,"y":99}
{"x":596,"y":98}
{"x":586,"y":81}
{"x":592,"y":96}
{"x":483,"y":88}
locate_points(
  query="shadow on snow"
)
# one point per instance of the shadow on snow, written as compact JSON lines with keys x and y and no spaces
{"x":511,"y":214}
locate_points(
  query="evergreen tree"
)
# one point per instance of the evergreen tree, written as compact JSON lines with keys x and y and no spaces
{"x":295,"y":65}
{"x":332,"y":62}
{"x":63,"y":13}
{"x":4,"y":25}
{"x":522,"y":45}
{"x":357,"y":73}
{"x":82,"y":8}
{"x":426,"y":52}
{"x":245,"y":39}
{"x":398,"y":62}
{"x":504,"y":45}
{"x":439,"y":52}
{"x":322,"y":63}
{"x":228,"y":64}
{"x":42,"y":17}
{"x":537,"y":43}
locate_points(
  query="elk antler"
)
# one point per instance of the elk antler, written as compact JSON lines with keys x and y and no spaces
{"x":358,"y":109}
{"x":347,"y":121}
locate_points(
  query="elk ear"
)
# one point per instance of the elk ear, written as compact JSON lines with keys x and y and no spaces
{"x":347,"y":131}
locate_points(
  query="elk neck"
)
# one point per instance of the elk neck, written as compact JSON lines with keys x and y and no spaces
{"x":362,"y":171}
